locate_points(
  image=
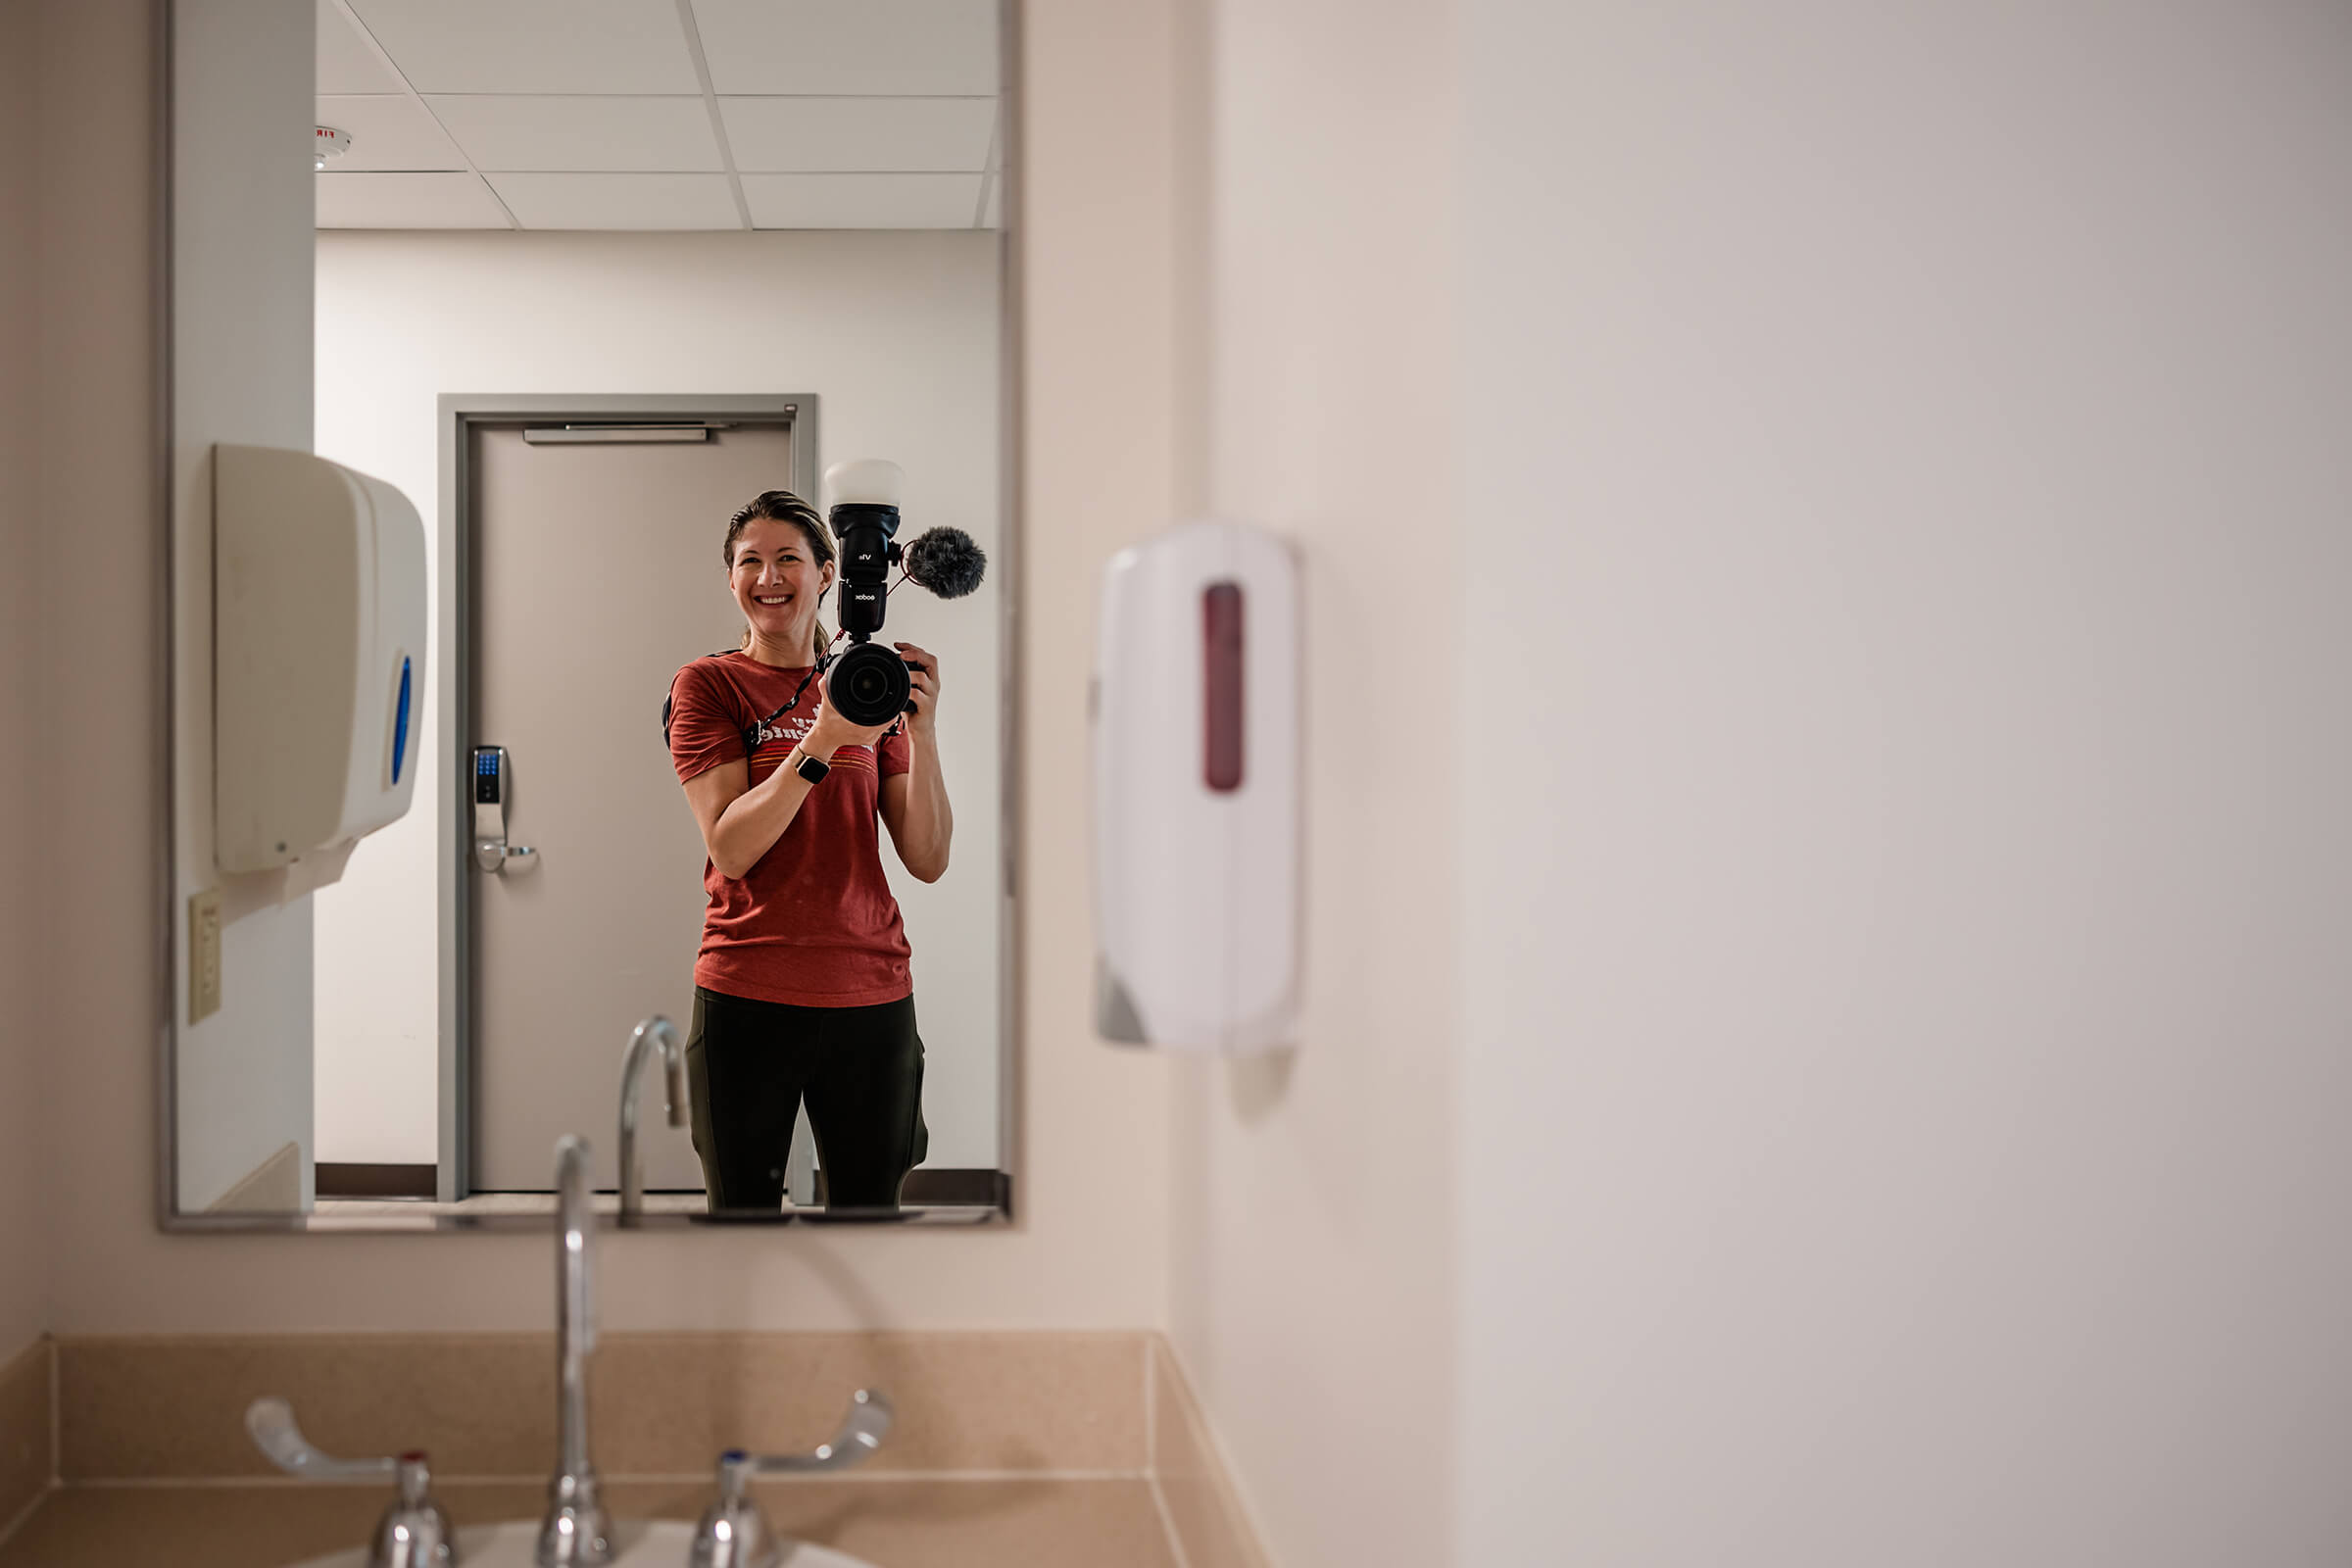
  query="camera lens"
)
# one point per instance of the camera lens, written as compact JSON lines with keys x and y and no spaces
{"x":869,"y":684}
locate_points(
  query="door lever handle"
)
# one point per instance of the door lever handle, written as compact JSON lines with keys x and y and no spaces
{"x":507,"y":859}
{"x":493,"y":786}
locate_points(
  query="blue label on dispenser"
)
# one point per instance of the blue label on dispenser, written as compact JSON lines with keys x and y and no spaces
{"x":400,"y":723}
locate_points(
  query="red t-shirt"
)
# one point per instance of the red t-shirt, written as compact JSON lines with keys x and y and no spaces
{"x":813,"y":922}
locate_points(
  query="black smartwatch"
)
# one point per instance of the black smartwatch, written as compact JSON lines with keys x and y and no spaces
{"x":809,"y":767}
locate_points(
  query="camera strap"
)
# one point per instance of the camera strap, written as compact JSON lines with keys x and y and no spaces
{"x":750,"y":732}
{"x":750,"y":736}
{"x":669,"y":697}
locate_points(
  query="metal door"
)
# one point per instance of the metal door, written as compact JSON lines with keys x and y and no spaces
{"x":596,"y":572}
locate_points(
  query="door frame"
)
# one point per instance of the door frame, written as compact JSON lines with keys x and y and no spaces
{"x":452,"y":581}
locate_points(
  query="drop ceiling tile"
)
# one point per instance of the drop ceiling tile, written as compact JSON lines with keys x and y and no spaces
{"x":784,"y":47}
{"x":582,"y":134}
{"x":387,"y":133}
{"x":859,"y":136}
{"x":516,"y":46}
{"x":406,"y":201}
{"x":345,"y":62}
{"x":992,"y":215}
{"x":618,"y":201}
{"x":863,"y":201}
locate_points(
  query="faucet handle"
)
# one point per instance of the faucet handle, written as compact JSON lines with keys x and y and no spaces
{"x":415,"y":1532}
{"x":271,"y":1423}
{"x":861,"y":1433}
{"x":734,"y":1533}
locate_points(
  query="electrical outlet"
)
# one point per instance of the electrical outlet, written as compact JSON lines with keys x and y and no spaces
{"x":204,"y":955}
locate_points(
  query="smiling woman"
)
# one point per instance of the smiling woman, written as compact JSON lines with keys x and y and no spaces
{"x":633,"y":886}
{"x":803,"y":987}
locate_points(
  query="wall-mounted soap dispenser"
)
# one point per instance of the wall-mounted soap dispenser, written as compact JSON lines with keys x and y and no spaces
{"x":1195,"y":731}
{"x":319,"y":660}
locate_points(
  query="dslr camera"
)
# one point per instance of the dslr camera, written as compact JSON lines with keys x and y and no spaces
{"x":868,"y":683}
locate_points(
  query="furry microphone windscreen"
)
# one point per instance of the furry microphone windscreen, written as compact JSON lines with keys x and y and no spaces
{"x":946,"y":560}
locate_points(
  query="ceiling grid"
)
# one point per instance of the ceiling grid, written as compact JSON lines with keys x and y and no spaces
{"x":718,"y":124}
{"x":399,"y":194}
{"x":987,"y":177}
{"x":661,"y":114}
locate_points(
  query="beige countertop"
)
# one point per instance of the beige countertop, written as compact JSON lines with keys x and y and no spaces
{"x":894,"y":1522}
{"x":1038,"y":1448}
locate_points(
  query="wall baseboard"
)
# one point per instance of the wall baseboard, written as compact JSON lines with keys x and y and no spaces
{"x":337,"y":1178}
{"x":977,"y":1187}
{"x":1198,"y":1499}
{"x":28,"y":1433}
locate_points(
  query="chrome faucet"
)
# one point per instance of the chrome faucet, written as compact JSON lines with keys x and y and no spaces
{"x":576,"y":1533}
{"x":654,"y":1031}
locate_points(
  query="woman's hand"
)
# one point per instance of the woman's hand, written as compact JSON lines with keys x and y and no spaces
{"x":922,"y":671}
{"x":831,"y":732}
{"x":915,"y":804}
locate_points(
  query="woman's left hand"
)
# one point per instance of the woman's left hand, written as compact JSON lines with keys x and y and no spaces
{"x":922,"y":673}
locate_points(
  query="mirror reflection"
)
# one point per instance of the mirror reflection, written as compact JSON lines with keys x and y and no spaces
{"x":681,"y":327}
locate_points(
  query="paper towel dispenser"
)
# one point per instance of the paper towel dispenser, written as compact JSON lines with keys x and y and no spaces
{"x":319,"y":660}
{"x":1196,"y":721}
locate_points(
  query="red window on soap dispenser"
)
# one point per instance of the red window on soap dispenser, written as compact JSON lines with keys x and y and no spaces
{"x":1221,"y":687}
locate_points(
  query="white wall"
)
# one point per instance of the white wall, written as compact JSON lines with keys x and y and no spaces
{"x":896,"y":333}
{"x":1089,"y":1249}
{"x":243,"y":303}
{"x":23,"y":1234}
{"x":1907,"y":1114}
{"x":1311,"y":1247}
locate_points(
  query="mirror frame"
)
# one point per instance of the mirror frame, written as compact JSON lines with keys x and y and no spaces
{"x":532,"y":1212}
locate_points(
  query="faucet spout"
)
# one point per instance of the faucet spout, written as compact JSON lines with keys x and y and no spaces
{"x":576,"y":1533}
{"x":654,"y":1031}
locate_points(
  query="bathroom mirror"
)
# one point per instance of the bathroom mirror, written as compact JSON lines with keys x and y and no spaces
{"x":581,"y":280}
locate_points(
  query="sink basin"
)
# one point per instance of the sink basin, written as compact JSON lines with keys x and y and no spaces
{"x":637,"y":1542}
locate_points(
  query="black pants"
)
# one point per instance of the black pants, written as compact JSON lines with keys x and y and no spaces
{"x":750,"y":1065}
